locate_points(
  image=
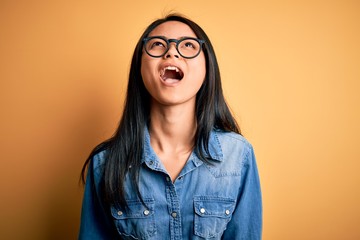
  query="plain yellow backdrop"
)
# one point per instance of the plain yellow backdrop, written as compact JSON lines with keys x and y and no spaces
{"x":290,"y":69}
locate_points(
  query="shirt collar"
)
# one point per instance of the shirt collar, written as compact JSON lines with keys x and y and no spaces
{"x":215,"y":146}
{"x":214,"y":149}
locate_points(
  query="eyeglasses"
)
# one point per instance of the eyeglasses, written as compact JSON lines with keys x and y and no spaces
{"x":187,"y":47}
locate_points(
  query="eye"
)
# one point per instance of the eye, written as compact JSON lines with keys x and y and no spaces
{"x":156,"y":44}
{"x":190,"y":44}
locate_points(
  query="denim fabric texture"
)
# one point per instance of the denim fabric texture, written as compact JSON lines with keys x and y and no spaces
{"x":217,"y":201}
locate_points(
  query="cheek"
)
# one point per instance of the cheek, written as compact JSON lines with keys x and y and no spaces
{"x":144,"y":67}
{"x":201,"y":70}
{"x":145,"y":70}
{"x":148,"y":75}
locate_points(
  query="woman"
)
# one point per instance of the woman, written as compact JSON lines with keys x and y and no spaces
{"x":177,"y":166}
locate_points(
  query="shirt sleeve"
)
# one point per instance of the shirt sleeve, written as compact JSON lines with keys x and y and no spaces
{"x":95,"y":219}
{"x":246,"y":222}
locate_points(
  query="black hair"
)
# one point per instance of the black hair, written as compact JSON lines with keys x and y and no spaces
{"x":125,"y":148}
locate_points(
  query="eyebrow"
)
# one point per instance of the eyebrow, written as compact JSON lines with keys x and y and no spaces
{"x":173,"y":38}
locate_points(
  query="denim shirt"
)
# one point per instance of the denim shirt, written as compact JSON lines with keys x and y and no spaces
{"x":221,"y":200}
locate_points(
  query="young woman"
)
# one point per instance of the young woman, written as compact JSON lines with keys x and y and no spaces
{"x":177,"y":166}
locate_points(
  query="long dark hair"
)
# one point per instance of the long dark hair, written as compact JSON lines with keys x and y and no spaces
{"x":125,"y":148}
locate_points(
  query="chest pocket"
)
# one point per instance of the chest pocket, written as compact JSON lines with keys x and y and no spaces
{"x":137,"y":222}
{"x":212,"y":215}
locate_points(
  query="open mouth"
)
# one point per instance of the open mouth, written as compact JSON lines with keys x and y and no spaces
{"x":171,"y":73}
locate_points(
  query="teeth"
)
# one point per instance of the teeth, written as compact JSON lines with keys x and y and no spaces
{"x":171,"y":68}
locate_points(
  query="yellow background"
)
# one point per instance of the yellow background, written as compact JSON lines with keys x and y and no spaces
{"x":291,"y":72}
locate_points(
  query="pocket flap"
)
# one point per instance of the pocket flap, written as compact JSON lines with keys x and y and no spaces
{"x":135,"y":209}
{"x":214,"y":206}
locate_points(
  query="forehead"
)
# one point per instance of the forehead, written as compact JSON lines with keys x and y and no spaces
{"x":173,"y":29}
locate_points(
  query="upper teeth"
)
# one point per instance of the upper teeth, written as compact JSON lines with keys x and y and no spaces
{"x":171,"y":68}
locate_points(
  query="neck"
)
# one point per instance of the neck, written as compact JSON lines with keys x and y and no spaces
{"x":172,"y":129}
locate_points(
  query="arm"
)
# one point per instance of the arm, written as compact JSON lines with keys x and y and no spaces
{"x":95,"y":220}
{"x":246,"y":222}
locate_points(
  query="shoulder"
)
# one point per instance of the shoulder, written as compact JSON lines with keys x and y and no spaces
{"x":234,"y":145}
{"x":98,"y":162}
{"x":235,"y":149}
{"x":231,"y":153}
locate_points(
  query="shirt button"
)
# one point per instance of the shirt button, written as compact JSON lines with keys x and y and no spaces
{"x":146,"y":212}
{"x":167,"y":179}
{"x":174,"y":214}
{"x":202,"y":210}
{"x":179,"y":178}
{"x":227,"y":212}
{"x":119,"y":213}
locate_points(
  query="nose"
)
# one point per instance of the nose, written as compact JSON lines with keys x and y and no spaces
{"x":172,"y":51}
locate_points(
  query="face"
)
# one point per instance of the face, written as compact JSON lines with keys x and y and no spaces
{"x":172,"y":79}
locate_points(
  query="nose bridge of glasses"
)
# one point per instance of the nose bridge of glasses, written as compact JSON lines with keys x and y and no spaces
{"x":175,"y":43}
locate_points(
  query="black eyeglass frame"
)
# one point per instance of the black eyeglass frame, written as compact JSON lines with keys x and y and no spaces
{"x":177,"y":41}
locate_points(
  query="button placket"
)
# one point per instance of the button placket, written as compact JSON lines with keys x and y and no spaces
{"x":173,"y":207}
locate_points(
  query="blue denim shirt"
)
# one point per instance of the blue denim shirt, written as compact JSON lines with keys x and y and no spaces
{"x":218,"y":201}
